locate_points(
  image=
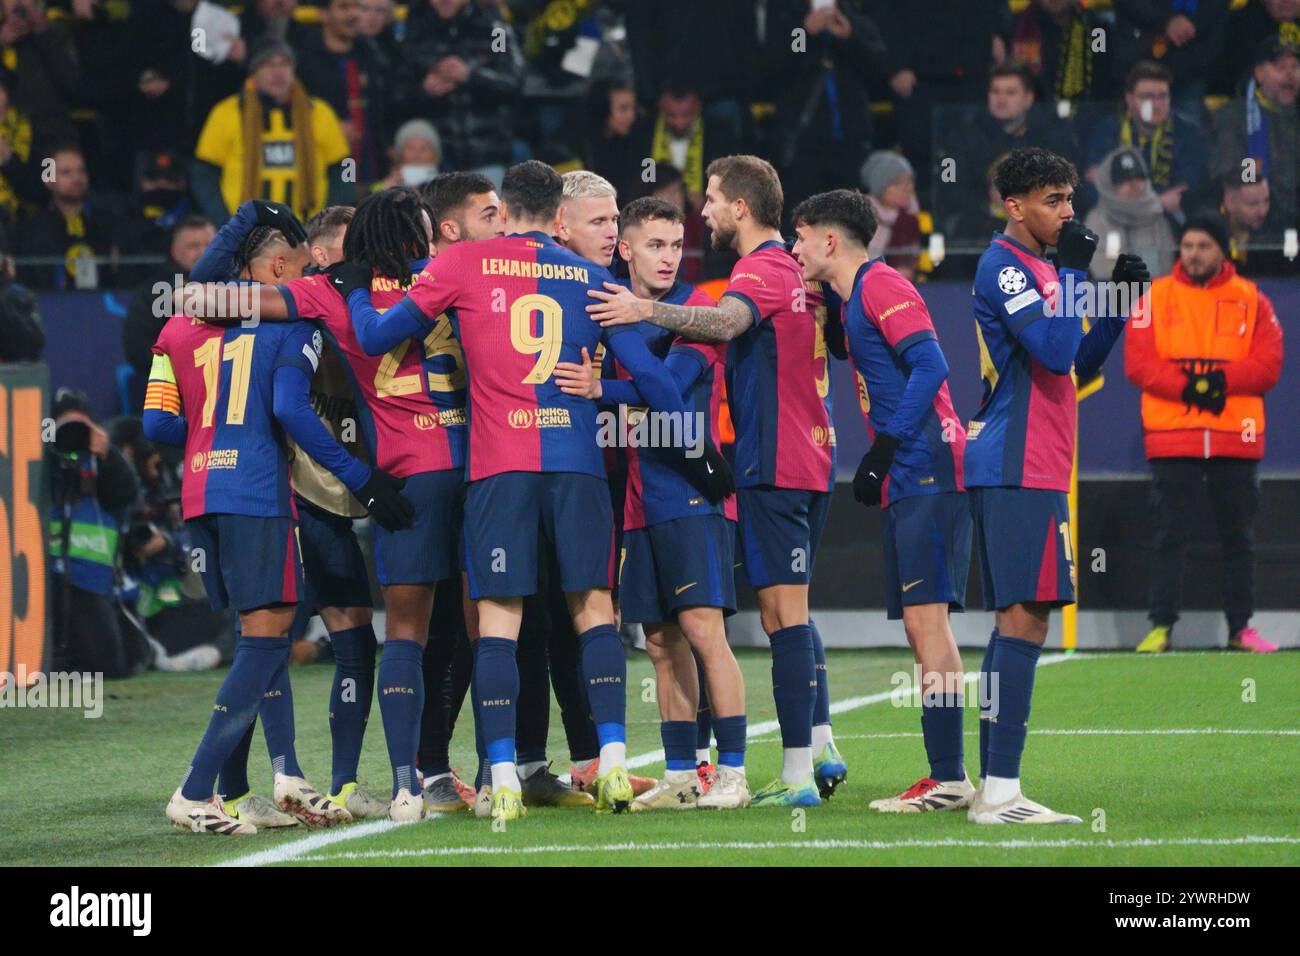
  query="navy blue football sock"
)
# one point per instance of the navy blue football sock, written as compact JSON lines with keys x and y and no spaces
{"x":731,"y":733}
{"x":604,"y":668}
{"x":985,"y":692}
{"x":1013,"y":661}
{"x":350,"y":697}
{"x":679,"y":744}
{"x":941,"y":727}
{"x":822,"y":709}
{"x":401,"y":701}
{"x":233,"y":781}
{"x":483,"y":775}
{"x":277,"y":723}
{"x":496,"y":683}
{"x":794,"y":684}
{"x":704,"y":713}
{"x":256,"y":661}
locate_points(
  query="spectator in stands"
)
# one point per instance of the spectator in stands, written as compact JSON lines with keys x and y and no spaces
{"x":161,"y":200}
{"x":891,"y":188}
{"x":614,"y":143}
{"x":148,"y":312}
{"x":663,"y":41}
{"x":1265,"y":127}
{"x":379,"y":24}
{"x":91,"y":489}
{"x":22,"y":333}
{"x":40,"y":58}
{"x":1185,"y":36}
{"x":936,"y":52}
{"x":681,"y":137}
{"x":1170,"y":143}
{"x":20,"y":172}
{"x":1211,"y":350}
{"x":75,"y":229}
{"x":978,"y":139}
{"x":177,"y":85}
{"x":820,"y":80}
{"x":464,"y":73}
{"x":1245,"y":207}
{"x":415,"y":156}
{"x":346,"y":70}
{"x":1129,"y":216}
{"x":1249,"y":26}
{"x":268,"y":19}
{"x":1054,"y":38}
{"x":271,"y":141}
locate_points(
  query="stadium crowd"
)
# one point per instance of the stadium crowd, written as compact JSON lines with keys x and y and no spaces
{"x":127,"y":123}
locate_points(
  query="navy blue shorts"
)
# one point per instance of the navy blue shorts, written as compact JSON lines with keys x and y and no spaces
{"x":427,"y":551}
{"x":927,"y":551}
{"x":332,"y":564}
{"x":507,"y":516}
{"x":685,"y":562}
{"x":780,"y":529}
{"x":247,"y":563}
{"x":1022,"y":538}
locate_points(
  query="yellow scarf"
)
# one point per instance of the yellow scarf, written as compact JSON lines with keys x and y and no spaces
{"x":1074,"y":72}
{"x":693,"y":174}
{"x":298,"y":115}
{"x":1161,"y":161}
{"x":17,"y":129}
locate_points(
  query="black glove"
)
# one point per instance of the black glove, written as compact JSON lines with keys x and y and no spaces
{"x":869,"y":481}
{"x":1130,"y":268}
{"x":1075,"y":246}
{"x":1207,"y":390}
{"x":710,"y":473}
{"x":382,"y":497}
{"x":347,"y":277}
{"x":279,"y":216}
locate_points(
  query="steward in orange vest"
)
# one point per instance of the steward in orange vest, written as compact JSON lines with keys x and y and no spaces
{"x":1204,"y":346}
{"x":1211,"y":350}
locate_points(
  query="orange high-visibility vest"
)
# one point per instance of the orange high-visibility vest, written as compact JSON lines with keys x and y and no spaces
{"x":1197,"y":323}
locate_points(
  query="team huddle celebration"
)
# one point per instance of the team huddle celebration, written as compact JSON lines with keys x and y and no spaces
{"x":477,"y":334}
{"x":597,"y":432}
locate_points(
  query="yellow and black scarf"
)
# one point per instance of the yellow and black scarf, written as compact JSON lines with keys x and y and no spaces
{"x":660,"y":152}
{"x":304,"y":143}
{"x":1157,"y":149}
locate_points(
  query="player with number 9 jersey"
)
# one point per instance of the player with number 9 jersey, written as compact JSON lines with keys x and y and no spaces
{"x":517,"y":305}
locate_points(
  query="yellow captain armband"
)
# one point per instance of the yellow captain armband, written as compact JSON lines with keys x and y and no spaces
{"x":161,"y":394}
{"x":161,"y":370}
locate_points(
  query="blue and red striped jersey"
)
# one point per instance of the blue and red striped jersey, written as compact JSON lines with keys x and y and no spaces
{"x":410,"y":400}
{"x":883,"y":317}
{"x":656,"y":488}
{"x":518,"y":306}
{"x":780,"y":377}
{"x":1023,"y":433}
{"x":221,"y":379}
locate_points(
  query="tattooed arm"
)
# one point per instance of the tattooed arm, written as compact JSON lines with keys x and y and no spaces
{"x":721,"y":323}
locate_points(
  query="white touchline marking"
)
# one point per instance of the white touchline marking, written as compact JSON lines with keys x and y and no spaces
{"x":316,"y":841}
{"x":640,"y":847}
{"x":1083,"y":732}
{"x":291,"y":850}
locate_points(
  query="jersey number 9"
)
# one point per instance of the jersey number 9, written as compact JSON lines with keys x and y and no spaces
{"x":546,"y":344}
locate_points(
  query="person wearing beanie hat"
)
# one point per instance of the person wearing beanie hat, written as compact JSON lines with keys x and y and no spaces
{"x":416,"y":152}
{"x":1209,"y":350}
{"x":271,"y":141}
{"x":1213,"y":226}
{"x":891,"y":185}
{"x":1129,"y":216}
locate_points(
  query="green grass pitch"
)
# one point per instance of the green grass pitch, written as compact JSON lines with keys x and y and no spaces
{"x":1183,"y":759}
